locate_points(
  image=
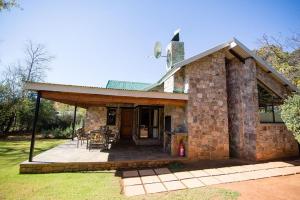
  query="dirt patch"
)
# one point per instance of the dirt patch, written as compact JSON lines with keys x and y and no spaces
{"x":284,"y":187}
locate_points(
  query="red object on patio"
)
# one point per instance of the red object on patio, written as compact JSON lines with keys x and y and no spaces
{"x":181,"y":149}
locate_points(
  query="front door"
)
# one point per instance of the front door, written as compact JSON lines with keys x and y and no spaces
{"x":126,"y":123}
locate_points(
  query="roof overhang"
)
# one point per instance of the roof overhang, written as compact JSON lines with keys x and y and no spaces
{"x":234,"y":48}
{"x":94,"y":96}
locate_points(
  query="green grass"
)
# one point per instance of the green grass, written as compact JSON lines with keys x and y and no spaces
{"x":89,"y":185}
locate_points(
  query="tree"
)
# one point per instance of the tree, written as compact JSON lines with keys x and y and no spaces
{"x":8,"y":4}
{"x":284,"y":55}
{"x":37,"y":60}
{"x":290,"y":113}
{"x":18,"y":105}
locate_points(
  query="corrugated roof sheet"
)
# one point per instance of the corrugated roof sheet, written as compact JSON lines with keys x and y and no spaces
{"x":126,"y":85}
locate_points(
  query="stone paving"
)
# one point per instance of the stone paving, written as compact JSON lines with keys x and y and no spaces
{"x":149,"y":181}
{"x":69,"y":152}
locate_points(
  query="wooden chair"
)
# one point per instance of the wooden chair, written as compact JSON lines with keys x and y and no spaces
{"x":113,"y":136}
{"x":81,"y":136}
{"x":98,"y":139}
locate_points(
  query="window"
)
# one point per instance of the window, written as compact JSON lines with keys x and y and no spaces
{"x":148,"y":122}
{"x":111,"y":116}
{"x":269,"y":103}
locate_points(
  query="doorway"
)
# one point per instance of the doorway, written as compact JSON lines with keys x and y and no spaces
{"x":126,"y":123}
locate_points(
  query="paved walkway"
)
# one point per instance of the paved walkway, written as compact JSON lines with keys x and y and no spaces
{"x":148,"y":181}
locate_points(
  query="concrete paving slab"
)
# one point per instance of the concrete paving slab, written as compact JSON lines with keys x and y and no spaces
{"x":227,"y":170}
{"x":146,"y":172}
{"x":160,"y":171}
{"x":199,"y":173}
{"x":227,"y":178}
{"x":237,"y":169}
{"x":131,"y":173}
{"x":273,"y":172}
{"x":213,"y":172}
{"x":167,"y":177}
{"x":132,"y":181}
{"x":209,"y":180}
{"x":174,"y":185}
{"x":150,"y":179}
{"x":134,"y":190}
{"x":192,"y":183}
{"x":154,"y":188}
{"x":183,"y":175}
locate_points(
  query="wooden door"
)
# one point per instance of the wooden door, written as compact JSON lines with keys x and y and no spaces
{"x":126,"y":123}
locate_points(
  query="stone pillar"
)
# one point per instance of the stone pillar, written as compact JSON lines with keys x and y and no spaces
{"x":242,"y":108}
{"x":250,"y":107}
{"x":207,"y":117}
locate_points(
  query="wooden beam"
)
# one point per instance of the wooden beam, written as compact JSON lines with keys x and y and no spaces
{"x":36,"y":115}
{"x":235,"y":54}
{"x":74,"y":121}
{"x":96,"y":99}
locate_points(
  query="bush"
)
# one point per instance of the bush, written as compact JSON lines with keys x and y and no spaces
{"x":290,"y":114}
{"x":58,"y":133}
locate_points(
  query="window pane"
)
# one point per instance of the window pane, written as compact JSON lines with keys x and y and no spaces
{"x":144,"y":117}
{"x":111,"y":116}
{"x":266,"y":114}
{"x":155,"y":118}
{"x":277,"y":114}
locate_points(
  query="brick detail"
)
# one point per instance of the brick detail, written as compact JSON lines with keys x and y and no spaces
{"x":38,"y":168}
{"x":207,"y":117}
{"x":275,"y":141}
{"x":242,"y":108}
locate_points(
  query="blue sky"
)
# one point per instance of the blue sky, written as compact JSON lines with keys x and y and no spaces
{"x":94,"y":41}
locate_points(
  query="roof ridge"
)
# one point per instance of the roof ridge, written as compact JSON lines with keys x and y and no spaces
{"x":128,"y":81}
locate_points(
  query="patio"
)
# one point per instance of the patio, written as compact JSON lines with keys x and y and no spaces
{"x":67,"y":157}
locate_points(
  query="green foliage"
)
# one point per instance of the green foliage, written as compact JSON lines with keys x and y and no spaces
{"x":290,"y":114}
{"x":7,"y":4}
{"x":285,"y":60}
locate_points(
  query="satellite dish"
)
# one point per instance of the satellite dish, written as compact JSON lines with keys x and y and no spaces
{"x":157,"y":50}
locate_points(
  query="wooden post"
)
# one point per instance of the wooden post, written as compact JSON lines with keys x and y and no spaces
{"x":74,"y":121}
{"x":36,"y":115}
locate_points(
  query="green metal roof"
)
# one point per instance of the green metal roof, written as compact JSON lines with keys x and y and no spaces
{"x":126,"y":85}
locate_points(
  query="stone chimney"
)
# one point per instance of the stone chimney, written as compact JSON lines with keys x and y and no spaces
{"x":175,"y":51}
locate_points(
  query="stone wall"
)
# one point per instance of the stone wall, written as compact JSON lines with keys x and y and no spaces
{"x":242,"y":108}
{"x":96,"y":117}
{"x":178,"y":117}
{"x":207,"y":116}
{"x":275,"y":141}
{"x":39,"y":168}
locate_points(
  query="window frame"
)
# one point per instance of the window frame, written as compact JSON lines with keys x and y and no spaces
{"x":107,"y":116}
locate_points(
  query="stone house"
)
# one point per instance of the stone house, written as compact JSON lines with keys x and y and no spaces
{"x":220,"y":103}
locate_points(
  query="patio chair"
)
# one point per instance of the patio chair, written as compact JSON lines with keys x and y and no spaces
{"x":98,"y":139}
{"x":113,"y":136}
{"x":81,"y":136}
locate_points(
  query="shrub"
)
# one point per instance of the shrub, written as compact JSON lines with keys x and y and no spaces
{"x":63,"y":134}
{"x":290,"y":114}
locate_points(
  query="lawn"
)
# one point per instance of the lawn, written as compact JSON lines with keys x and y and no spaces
{"x":89,"y":185}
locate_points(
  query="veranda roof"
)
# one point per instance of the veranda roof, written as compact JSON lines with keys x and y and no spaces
{"x":84,"y":96}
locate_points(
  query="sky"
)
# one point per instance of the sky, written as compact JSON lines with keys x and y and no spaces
{"x":95,"y":41}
